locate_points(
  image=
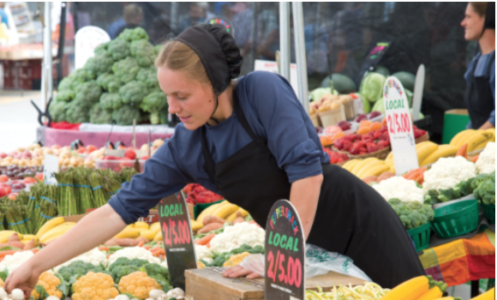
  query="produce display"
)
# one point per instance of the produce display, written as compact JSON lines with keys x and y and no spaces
{"x":357,"y":144}
{"x":118,"y":84}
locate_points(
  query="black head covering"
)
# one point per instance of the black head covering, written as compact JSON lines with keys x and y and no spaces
{"x":490,"y":16}
{"x":217,"y":50}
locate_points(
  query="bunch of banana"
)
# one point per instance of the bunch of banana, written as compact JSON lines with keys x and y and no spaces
{"x":5,"y":235}
{"x":53,"y":229}
{"x":476,"y":139}
{"x":223,"y":210}
{"x":371,"y":166}
{"x":428,"y":153}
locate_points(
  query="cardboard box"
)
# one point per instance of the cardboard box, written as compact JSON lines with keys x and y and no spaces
{"x":455,"y":121}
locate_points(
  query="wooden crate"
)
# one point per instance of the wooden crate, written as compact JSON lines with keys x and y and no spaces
{"x":209,"y":284}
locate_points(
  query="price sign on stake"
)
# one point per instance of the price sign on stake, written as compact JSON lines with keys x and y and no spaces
{"x":285,"y":254}
{"x":177,"y":237}
{"x":399,"y":126}
{"x":50,"y":167}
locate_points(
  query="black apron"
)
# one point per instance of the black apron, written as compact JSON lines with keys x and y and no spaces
{"x":351,"y":218}
{"x":479,"y":98}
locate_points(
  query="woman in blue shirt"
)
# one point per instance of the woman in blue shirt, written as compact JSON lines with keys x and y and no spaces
{"x":479,"y":25}
{"x":252,"y":142}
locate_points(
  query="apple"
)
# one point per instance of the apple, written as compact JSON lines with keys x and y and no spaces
{"x":344,"y":125}
{"x":374,"y":114}
{"x":361,"y":117}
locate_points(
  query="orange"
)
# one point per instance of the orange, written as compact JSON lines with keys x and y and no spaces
{"x":326,"y":140}
{"x":337,"y":136}
{"x":375,"y":126}
{"x":363,"y":130}
{"x":365,"y":123}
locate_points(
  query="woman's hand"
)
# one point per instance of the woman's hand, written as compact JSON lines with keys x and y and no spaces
{"x":24,"y":278}
{"x":239,"y":271}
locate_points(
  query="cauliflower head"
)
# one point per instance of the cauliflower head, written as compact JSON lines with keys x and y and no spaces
{"x":138,"y":284}
{"x":486,"y":161}
{"x":1,"y":282}
{"x":49,"y":284}
{"x":94,"y":286}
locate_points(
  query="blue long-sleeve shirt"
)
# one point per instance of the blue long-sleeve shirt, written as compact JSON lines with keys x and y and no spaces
{"x":272,"y":111}
{"x":481,"y":63}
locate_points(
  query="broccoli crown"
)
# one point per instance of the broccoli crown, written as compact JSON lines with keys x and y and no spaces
{"x":486,"y":191}
{"x":126,"y":70}
{"x":83,"y":75}
{"x":475,"y":181}
{"x":57,"y":111}
{"x":448,"y":194}
{"x":149,"y":77}
{"x":413,"y":214}
{"x":69,"y":83}
{"x":119,"y":49}
{"x":154,"y":103}
{"x":102,"y":48}
{"x":120,"y":271}
{"x":464,"y":188}
{"x":111,"y":101}
{"x":124,"y":266}
{"x":78,"y":268}
{"x":125,"y":115}
{"x":89,"y":92}
{"x":109,"y":82}
{"x":99,"y":64}
{"x":159,"y":273}
{"x":66,"y":95}
{"x":394,"y":201}
{"x":133,"y":92}
{"x":77,"y":112}
{"x":135,"y":34}
{"x":100,"y":115}
{"x":143,"y":51}
{"x":414,"y":205}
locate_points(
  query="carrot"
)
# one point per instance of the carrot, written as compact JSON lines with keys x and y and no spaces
{"x":413,"y":175}
{"x":206,"y":239}
{"x":111,"y":242}
{"x":239,"y":220}
{"x":8,"y":252}
{"x":474,"y":158}
{"x":141,"y":244}
{"x":35,"y":250}
{"x":104,"y":248}
{"x":421,"y":178}
{"x":30,"y":245}
{"x":156,"y":250}
{"x":210,"y":227}
{"x":463,"y":151}
{"x":213,"y":219}
{"x":127,"y":242}
{"x":142,"y":239}
{"x":147,"y":247}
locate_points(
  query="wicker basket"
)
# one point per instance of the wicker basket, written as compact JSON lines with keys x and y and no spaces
{"x":380,"y":154}
{"x":332,"y":116}
{"x":315,"y":120}
{"x":423,"y":138}
{"x":349,"y":109}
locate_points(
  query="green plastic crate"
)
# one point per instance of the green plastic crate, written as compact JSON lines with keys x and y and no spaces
{"x":421,"y":236}
{"x":489,"y":212}
{"x":455,"y":121}
{"x":456,"y":219}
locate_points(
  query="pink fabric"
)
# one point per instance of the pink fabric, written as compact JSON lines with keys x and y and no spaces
{"x":98,"y":139}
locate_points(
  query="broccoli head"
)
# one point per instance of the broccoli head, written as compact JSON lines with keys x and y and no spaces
{"x":464,"y":188}
{"x":66,"y":95}
{"x":126,"y":70}
{"x":109,"y":82}
{"x":486,"y":191}
{"x":154,"y":103}
{"x":77,"y":112}
{"x":119,"y":49}
{"x":475,"y":181}
{"x":144,"y":52}
{"x":83,"y":75}
{"x":135,"y":34}
{"x":133,"y":92}
{"x":148,"y":76}
{"x":99,"y":115}
{"x":159,"y":273}
{"x":394,"y":201}
{"x":102,"y":48}
{"x":76,"y":269}
{"x":432,"y":197}
{"x":69,"y":83}
{"x":124,"y":266}
{"x":125,"y":115}
{"x":414,"y":205}
{"x":111,"y":101}
{"x":89,"y":92}
{"x":448,"y":194}
{"x":57,"y":111}
{"x":99,"y":64}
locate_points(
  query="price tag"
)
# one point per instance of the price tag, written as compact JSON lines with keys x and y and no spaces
{"x":86,"y":40}
{"x":285,"y":254}
{"x":399,"y":126}
{"x":177,"y":237}
{"x":359,"y":106}
{"x":50,"y":167}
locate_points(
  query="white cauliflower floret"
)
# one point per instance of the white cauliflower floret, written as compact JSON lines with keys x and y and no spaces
{"x":400,"y":188}
{"x":235,"y":236}
{"x":134,"y":252}
{"x":94,"y":257}
{"x":12,"y":262}
{"x":447,"y":172}
{"x":203,"y":252}
{"x":486,"y":162}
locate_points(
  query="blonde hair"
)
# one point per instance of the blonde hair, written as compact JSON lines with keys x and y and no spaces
{"x":176,"y":56}
{"x":480,"y":8}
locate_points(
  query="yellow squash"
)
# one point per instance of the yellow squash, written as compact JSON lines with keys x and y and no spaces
{"x":432,"y":294}
{"x":488,"y":295}
{"x":128,"y":233}
{"x":409,"y":290}
{"x":49,"y":225}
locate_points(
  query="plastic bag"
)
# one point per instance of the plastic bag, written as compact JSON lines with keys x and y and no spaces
{"x":317,"y":262}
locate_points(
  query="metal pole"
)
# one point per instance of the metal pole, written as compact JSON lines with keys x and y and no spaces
{"x":47,"y":69}
{"x":253,"y":36}
{"x":298,"y":26}
{"x":174,"y":18}
{"x":285,"y":40}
